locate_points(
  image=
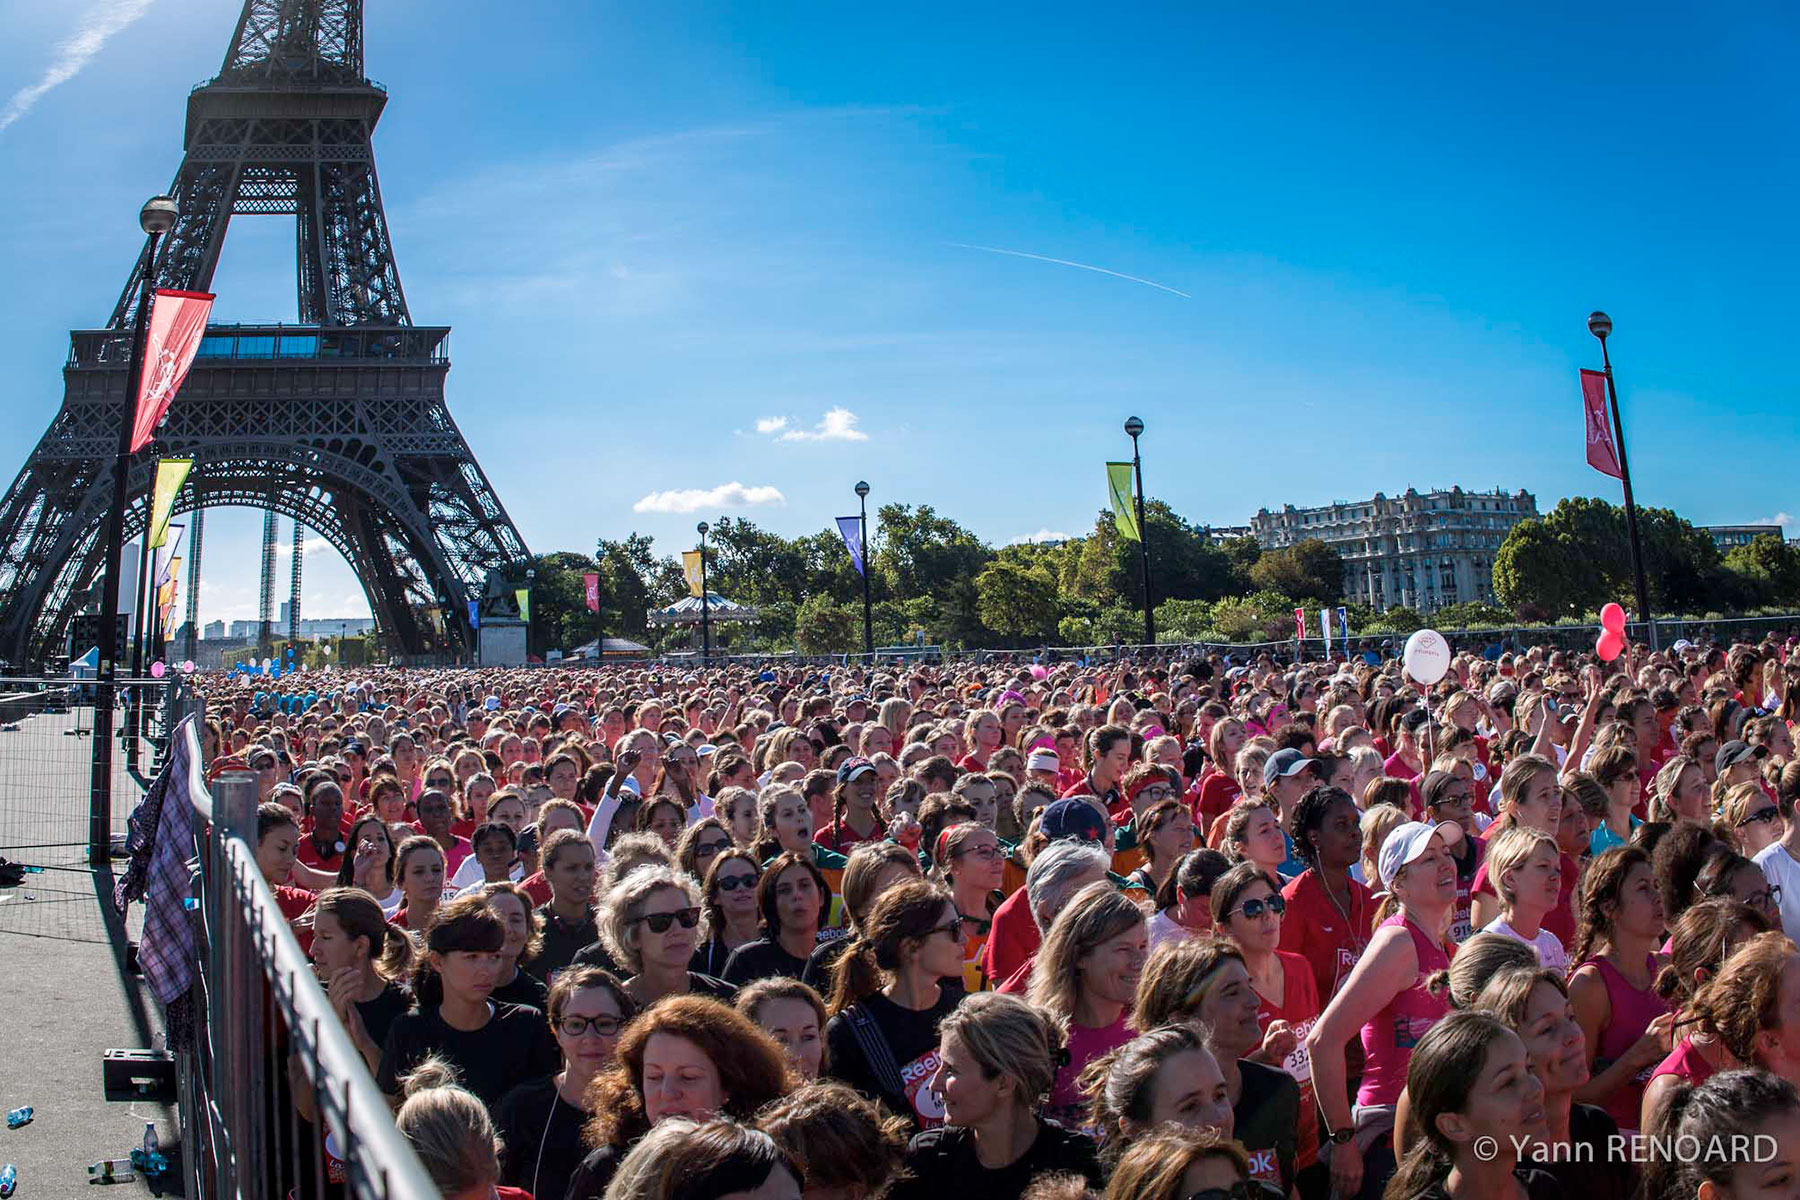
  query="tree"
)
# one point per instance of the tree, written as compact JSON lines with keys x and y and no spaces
{"x":824,"y":626}
{"x":1532,"y":570}
{"x":1309,"y":570}
{"x":1767,"y":570}
{"x":922,"y":554}
{"x":1016,"y":601}
{"x":560,"y":619}
{"x":1579,"y":557}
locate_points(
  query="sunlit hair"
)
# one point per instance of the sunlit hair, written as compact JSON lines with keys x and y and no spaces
{"x":843,"y":1140}
{"x":449,"y":1129}
{"x":1006,"y":1036}
{"x":686,"y":1160}
{"x":866,"y":865}
{"x":902,"y":918}
{"x":1701,"y":940}
{"x":1743,"y":999}
{"x":1155,"y":1166}
{"x":1120,"y":1086}
{"x":624,"y":904}
{"x":1177,"y":976}
{"x":359,"y":915}
{"x":1098,"y":913}
{"x":1477,"y":961}
{"x":1511,"y":850}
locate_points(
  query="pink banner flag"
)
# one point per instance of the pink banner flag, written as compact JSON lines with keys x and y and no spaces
{"x":177,"y":323}
{"x":1602,"y":451}
{"x":1299,"y":624}
{"x":593,"y":591}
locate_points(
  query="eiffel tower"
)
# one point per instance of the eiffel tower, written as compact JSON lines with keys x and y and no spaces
{"x":338,"y":422}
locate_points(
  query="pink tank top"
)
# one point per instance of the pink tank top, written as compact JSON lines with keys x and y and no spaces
{"x":1389,"y":1038}
{"x":1632,"y":1012}
{"x":1686,"y":1062}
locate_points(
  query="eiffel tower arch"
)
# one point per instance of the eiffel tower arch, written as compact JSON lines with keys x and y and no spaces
{"x":339,"y":422}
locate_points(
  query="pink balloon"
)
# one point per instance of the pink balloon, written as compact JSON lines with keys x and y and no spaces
{"x":1039,"y":671}
{"x":1609,"y":645}
{"x":157,"y":670}
{"x":1613,"y":617}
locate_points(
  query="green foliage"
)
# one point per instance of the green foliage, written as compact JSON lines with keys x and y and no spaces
{"x":825,"y":626}
{"x":1017,"y":601}
{"x":1399,"y":619}
{"x":1579,"y":557}
{"x":1767,"y":571}
{"x":1309,"y":570}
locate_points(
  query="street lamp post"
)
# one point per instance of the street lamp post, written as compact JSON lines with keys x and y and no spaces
{"x":705,"y":601}
{"x":156,"y":218}
{"x":862,"y":496}
{"x":1134,"y":427}
{"x":1600,"y":325}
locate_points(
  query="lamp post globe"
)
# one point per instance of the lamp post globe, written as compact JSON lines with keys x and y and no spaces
{"x":701,"y":528}
{"x":1600,"y":325}
{"x":158,"y":215}
{"x":1133,"y":427}
{"x":862,"y":487}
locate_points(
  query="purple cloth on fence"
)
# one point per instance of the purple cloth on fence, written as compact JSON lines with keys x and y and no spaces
{"x":161,"y":845}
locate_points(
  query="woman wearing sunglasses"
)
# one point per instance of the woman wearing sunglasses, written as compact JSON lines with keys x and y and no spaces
{"x":727,"y":910}
{"x":704,"y":841}
{"x":1249,"y":910}
{"x":971,"y":861}
{"x":1755,"y":819}
{"x":791,"y":901}
{"x":540,"y":1122}
{"x":649,"y":922}
{"x":888,"y":998}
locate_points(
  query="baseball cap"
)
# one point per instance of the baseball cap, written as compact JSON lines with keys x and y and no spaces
{"x":854,"y":768}
{"x":1072,"y":819}
{"x":492,"y":704}
{"x":1043,"y":760}
{"x":1408,"y":841}
{"x":1734,"y":752}
{"x":1284,"y":763}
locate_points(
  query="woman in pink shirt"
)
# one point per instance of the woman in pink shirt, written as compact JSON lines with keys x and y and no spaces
{"x":1387,"y":1002}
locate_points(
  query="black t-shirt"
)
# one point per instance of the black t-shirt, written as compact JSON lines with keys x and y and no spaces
{"x":515,"y":1045}
{"x":524,"y":990}
{"x":1266,"y":1119}
{"x":542,"y":1135}
{"x":1591,"y":1170}
{"x":595,"y":954}
{"x":562,"y":941}
{"x":1539,"y":1185}
{"x":942,"y":1162}
{"x":378,"y":1015}
{"x":912,"y":1039}
{"x":822,"y":961}
{"x":710,"y":958}
{"x":761,"y":959}
{"x":708,"y":985}
{"x":589,"y":1179}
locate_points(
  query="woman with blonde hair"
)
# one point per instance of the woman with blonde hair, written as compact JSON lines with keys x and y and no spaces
{"x":648,"y":922}
{"x":847,"y":1146}
{"x":996,"y":1061}
{"x":1086,"y":977}
{"x":1526,"y":867}
{"x":1530,"y":795}
{"x":452,"y":1134}
{"x":719,"y":1160}
{"x":1754,"y":819}
{"x":1678,"y":792}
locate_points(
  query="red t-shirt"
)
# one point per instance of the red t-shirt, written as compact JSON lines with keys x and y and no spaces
{"x":537,"y":887}
{"x":309,"y":853}
{"x":1315,"y":928}
{"x":294,"y":903}
{"x":1299,"y":1008}
{"x":1561,"y":920}
{"x":1218,"y":792}
{"x":828,"y":836}
{"x":1012,"y":939}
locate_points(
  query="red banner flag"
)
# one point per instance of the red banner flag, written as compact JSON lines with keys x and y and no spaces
{"x":177,"y":323}
{"x":593,"y":591}
{"x":1602,"y":451}
{"x":1299,"y":624}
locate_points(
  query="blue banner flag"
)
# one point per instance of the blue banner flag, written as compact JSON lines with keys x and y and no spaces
{"x":474,"y":614}
{"x":850,"y":529}
{"x":1344,"y":627}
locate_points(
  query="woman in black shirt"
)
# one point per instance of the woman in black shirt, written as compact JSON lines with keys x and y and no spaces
{"x":792,"y":900}
{"x":569,"y":919}
{"x":359,"y":957}
{"x":997,"y":1061}
{"x":541,"y":1121}
{"x":493,"y":1046}
{"x":649,"y":921}
{"x":513,"y":907}
{"x":727,"y":910}
{"x":888,"y":1000}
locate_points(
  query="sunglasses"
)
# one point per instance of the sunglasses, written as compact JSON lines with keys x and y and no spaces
{"x":731,"y":883}
{"x":984,"y":853}
{"x":440,"y":781}
{"x":601,"y":1026}
{"x":705,"y":848}
{"x":1237,"y":1191}
{"x":1254,"y":908}
{"x":1762,"y":815}
{"x":953,"y":927}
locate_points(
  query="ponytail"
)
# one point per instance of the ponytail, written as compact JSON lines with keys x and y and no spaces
{"x":854,"y":976}
{"x":907,"y":913}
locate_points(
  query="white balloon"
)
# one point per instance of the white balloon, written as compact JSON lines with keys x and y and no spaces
{"x":1427,"y":656}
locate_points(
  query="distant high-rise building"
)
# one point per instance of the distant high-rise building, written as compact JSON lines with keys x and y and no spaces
{"x":212,"y":631}
{"x":1422,"y":550}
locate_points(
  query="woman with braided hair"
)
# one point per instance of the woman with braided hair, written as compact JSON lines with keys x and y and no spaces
{"x":1329,"y":912}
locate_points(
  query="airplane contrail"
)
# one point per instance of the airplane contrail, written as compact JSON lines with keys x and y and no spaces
{"x":74,"y":53}
{"x":1063,"y":262}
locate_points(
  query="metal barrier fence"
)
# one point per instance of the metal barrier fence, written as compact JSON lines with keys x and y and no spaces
{"x":48,"y":765}
{"x":275,"y":1100}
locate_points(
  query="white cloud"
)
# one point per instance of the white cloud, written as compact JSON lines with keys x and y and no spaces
{"x":726,"y":495}
{"x":771,"y":424}
{"x":1785,"y":520}
{"x":75,"y":52}
{"x":1041,"y":536}
{"x":838,"y":425}
{"x":284,"y":548}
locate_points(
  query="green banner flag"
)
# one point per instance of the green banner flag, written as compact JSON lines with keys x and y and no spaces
{"x":524,"y":597}
{"x":1118,"y":483}
{"x":171,"y":473}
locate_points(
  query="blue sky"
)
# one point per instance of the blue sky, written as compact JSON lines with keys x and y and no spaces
{"x":1364,"y":242}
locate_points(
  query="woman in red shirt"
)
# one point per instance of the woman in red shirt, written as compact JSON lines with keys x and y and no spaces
{"x":277,"y":834}
{"x":1218,"y":784}
{"x":1329,"y":912}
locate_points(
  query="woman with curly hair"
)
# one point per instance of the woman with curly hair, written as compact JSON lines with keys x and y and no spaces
{"x":689,"y":1056}
{"x":848,"y":1147}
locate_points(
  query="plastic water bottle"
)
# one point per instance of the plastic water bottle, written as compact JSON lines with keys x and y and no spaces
{"x":18,"y":1117}
{"x":152,"y":1143}
{"x":9,"y":1179}
{"x":112,"y":1170}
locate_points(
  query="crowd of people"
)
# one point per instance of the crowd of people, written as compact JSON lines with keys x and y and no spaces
{"x":1171,"y":929}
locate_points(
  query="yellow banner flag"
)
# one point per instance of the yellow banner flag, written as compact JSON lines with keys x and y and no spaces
{"x":690,"y":565}
{"x":1118,"y":484}
{"x":523,"y":595}
{"x":171,"y":473}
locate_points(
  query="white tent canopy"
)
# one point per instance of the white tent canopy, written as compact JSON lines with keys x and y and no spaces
{"x":686,"y":611}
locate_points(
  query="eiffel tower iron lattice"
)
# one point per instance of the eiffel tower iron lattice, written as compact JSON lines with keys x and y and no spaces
{"x":339,"y":422}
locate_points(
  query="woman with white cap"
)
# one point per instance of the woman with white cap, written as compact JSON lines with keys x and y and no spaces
{"x":1386,"y":1000}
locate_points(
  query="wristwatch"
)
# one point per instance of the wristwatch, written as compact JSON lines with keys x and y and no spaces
{"x":1342,"y":1136}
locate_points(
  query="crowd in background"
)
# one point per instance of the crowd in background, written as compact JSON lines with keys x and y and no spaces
{"x":1172,"y":929}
